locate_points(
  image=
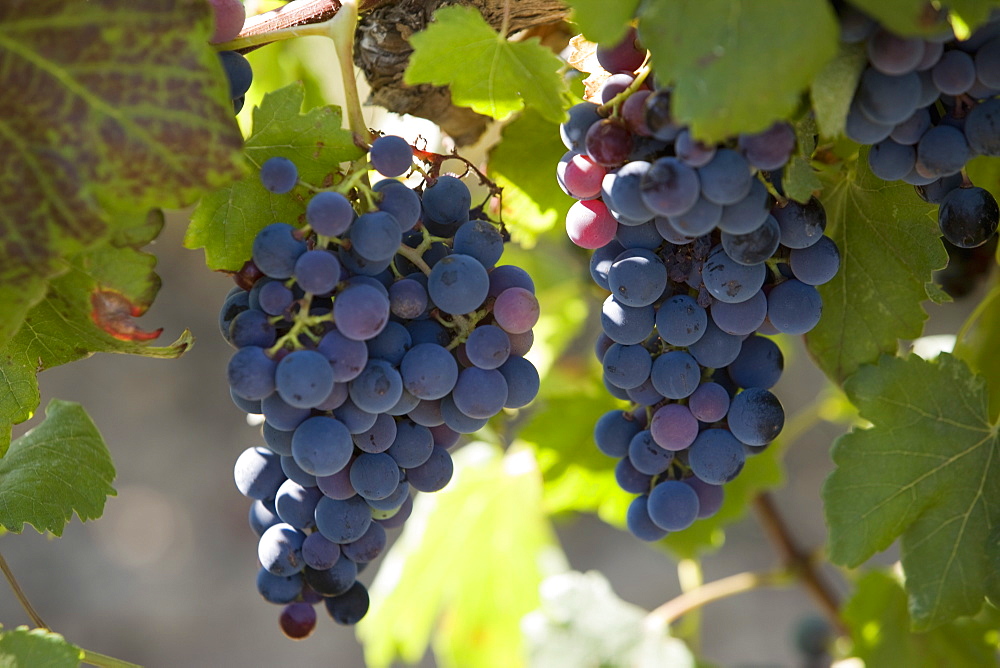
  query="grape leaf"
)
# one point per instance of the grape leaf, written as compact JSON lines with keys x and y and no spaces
{"x":435,"y":573}
{"x":833,"y":88}
{"x":37,"y":648}
{"x":719,"y":53}
{"x":59,"y":467}
{"x":889,"y":247}
{"x":928,"y":471}
{"x":799,"y":179}
{"x":106,"y":105}
{"x":601,"y":21}
{"x":918,"y":17}
{"x":226,"y":221}
{"x":90,"y":308}
{"x":525,"y":159}
{"x":496,"y":77}
{"x":582,"y":622}
{"x":880,"y":631}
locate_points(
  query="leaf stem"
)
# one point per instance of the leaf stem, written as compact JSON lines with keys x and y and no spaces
{"x":105,"y":661}
{"x":341,"y":30}
{"x":716,"y":590}
{"x":21,"y":596}
{"x":797,"y":562}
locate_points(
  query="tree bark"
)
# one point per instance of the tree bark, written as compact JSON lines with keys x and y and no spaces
{"x":382,"y":51}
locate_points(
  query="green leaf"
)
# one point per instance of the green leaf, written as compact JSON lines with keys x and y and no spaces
{"x":470,"y":560}
{"x":889,"y":247}
{"x":719,"y":53}
{"x":799,"y":179}
{"x":525,"y":159}
{"x":59,"y":467}
{"x":833,"y":88}
{"x":917,"y":17}
{"x":976,"y":345}
{"x":601,"y":21}
{"x":581,"y":622}
{"x":90,"y":308}
{"x":880,"y":630}
{"x":226,"y":221}
{"x":37,"y":648}
{"x":106,"y":105}
{"x":496,"y":77}
{"x":927,"y":472}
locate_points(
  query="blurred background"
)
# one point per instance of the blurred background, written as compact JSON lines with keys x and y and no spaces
{"x":166,"y":576}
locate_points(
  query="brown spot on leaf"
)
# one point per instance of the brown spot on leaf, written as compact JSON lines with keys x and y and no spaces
{"x":114,"y":313}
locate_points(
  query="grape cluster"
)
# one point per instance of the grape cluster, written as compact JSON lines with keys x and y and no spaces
{"x":928,"y":106}
{"x":700,"y":261}
{"x":369,"y":343}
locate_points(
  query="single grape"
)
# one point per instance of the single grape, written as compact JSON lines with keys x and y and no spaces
{"x":239,"y":73}
{"x":522,"y":381}
{"x":669,"y":187}
{"x":817,"y":264}
{"x":755,"y":247}
{"x":350,"y":607}
{"x":228,"y":18}
{"x":794,"y":307}
{"x":275,"y":250}
{"x":322,"y":445}
{"x":673,"y":427}
{"x":627,"y":324}
{"x":329,"y":214}
{"x":801,"y":225}
{"x":279,"y":175}
{"x":391,"y":155}
{"x":673,"y":506}
{"x":771,"y":149}
{"x":968,"y":217}
{"x":759,"y":363}
{"x":755,"y":416}
{"x":982,"y":127}
{"x":716,"y":456}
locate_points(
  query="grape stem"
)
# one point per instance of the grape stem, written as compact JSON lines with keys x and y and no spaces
{"x":617,"y":100}
{"x":89,"y":657}
{"x":21,"y":596}
{"x":689,"y":601}
{"x":798,"y":562}
{"x":105,"y":661}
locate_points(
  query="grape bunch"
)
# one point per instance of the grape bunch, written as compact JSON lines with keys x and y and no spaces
{"x":926,"y":107}
{"x":701,"y":262}
{"x":369,"y":339}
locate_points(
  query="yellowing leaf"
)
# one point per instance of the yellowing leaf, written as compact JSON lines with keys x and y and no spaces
{"x":484,"y":71}
{"x":106,"y":105}
{"x":469,"y":562}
